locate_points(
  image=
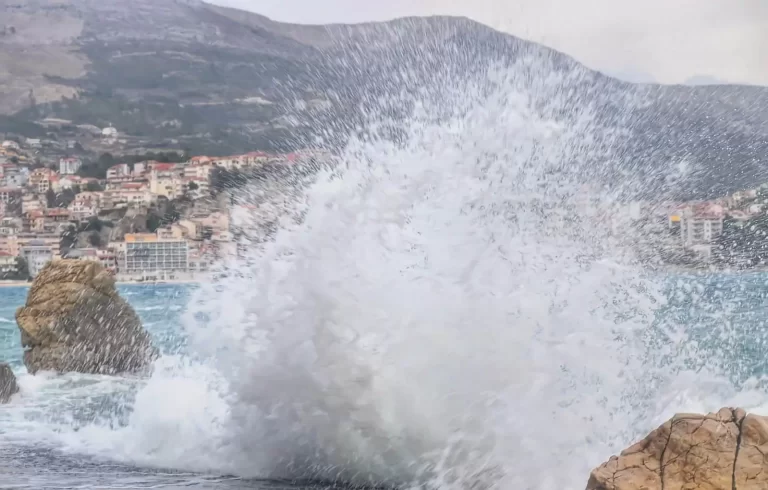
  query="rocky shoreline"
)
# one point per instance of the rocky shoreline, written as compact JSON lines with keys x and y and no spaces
{"x":8,"y":386}
{"x":725,"y":450}
{"x":75,"y":320}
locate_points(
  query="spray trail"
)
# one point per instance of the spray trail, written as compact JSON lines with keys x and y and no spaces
{"x":444,"y":302}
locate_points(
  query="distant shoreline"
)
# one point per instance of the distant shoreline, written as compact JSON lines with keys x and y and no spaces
{"x":156,"y":283}
{"x":713,"y":270}
{"x":19,"y":284}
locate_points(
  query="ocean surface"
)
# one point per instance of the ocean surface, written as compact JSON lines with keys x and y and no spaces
{"x":75,"y":431}
{"x":455,"y":302}
{"x":33,"y":428}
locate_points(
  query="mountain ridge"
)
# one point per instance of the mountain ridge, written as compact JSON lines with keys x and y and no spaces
{"x":183,"y":73}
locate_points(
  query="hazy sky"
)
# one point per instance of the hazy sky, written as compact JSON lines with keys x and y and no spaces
{"x":670,"y":41}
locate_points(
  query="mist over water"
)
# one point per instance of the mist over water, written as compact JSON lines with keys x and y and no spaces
{"x":447,"y":304}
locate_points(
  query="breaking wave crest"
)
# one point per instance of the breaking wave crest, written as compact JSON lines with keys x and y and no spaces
{"x":445,"y":304}
{"x":449,"y":303}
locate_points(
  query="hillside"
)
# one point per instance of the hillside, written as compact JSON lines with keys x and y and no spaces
{"x":185,"y":74}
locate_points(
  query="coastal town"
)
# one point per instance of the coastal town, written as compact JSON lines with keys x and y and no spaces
{"x":730,"y":232}
{"x":143,"y":220}
{"x":147,"y":220}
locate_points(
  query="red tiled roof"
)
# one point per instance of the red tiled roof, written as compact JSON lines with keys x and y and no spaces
{"x":163,"y":166}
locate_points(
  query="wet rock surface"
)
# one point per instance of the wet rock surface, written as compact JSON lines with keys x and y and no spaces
{"x":8,"y":386}
{"x":727,"y":450}
{"x":75,"y":320}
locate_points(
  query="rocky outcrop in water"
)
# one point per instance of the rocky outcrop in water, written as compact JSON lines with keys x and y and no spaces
{"x":75,"y":320}
{"x":8,"y":386}
{"x":721,"y":451}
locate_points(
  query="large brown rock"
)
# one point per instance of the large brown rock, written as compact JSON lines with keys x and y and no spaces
{"x":720,"y":451}
{"x":74,"y":320}
{"x":8,"y":386}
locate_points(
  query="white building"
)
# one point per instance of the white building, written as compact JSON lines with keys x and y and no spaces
{"x":8,"y":264}
{"x":69,"y":166}
{"x":128,"y":195}
{"x":11,"y":145}
{"x":15,"y":176}
{"x":147,"y":256}
{"x":32,"y":202}
{"x":85,"y":205}
{"x":37,"y":254}
{"x":69,"y":182}
{"x":165,"y":180}
{"x":139,"y":169}
{"x":109,"y":135}
{"x":119,"y":171}
{"x":198,"y":171}
{"x":700,"y":225}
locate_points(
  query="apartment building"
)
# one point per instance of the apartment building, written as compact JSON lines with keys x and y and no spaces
{"x":165,"y":179}
{"x":8,"y":264}
{"x":128,"y":195}
{"x":31,"y":203}
{"x":121,"y":170}
{"x":43,"y":179}
{"x":147,"y":255}
{"x":701,"y":224}
{"x":10,"y":194}
{"x":14,"y":175}
{"x":197,"y":171}
{"x":50,"y":240}
{"x":107,"y":258}
{"x":85,"y":205}
{"x":37,"y":254}
{"x":69,"y":166}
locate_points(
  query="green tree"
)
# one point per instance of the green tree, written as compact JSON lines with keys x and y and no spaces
{"x":22,"y":269}
{"x":65,"y":198}
{"x":68,"y":238}
{"x":94,"y":187}
{"x":192,"y":186}
{"x":93,"y":224}
{"x":50,"y":198}
{"x":153,"y":221}
{"x":94,"y":239}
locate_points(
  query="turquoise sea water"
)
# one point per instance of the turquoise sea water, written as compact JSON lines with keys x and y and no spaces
{"x":159,"y":307}
{"x":723,"y":318}
{"x":30,"y":462}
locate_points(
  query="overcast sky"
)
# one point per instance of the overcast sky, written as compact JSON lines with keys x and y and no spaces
{"x":669,"y":41}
